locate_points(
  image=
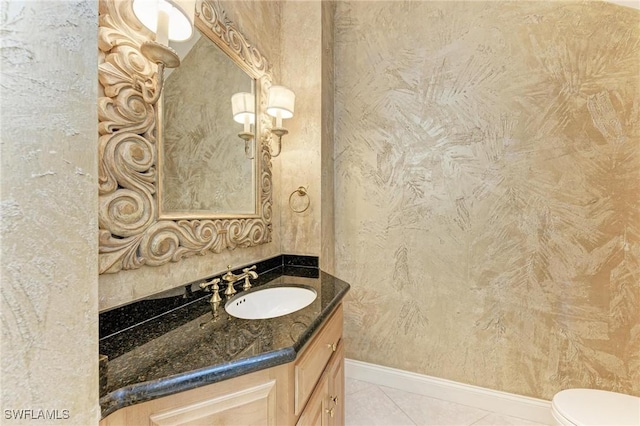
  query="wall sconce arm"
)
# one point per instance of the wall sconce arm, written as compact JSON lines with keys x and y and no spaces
{"x":279,"y":132}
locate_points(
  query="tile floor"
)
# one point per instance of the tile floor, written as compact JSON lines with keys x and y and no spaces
{"x":368,"y":404}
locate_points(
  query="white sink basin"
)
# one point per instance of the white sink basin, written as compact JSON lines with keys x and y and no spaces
{"x":270,"y":302}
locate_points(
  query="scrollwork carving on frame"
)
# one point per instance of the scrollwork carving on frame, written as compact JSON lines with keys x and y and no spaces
{"x":130,"y":233}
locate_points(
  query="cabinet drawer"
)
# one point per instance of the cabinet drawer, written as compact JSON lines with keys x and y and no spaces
{"x":315,"y":357}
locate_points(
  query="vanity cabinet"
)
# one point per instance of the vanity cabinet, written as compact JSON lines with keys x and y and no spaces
{"x":307,"y":391}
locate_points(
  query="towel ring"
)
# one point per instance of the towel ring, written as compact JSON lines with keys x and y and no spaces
{"x":302,"y":192}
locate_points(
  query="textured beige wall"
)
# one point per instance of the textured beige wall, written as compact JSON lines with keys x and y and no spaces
{"x":307,"y":154}
{"x":327,"y":228}
{"x":488,"y":191}
{"x":259,"y":21}
{"x":301,"y":42}
{"x":49,"y":267}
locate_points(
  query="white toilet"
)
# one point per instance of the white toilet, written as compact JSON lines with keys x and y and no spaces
{"x":573,"y":407}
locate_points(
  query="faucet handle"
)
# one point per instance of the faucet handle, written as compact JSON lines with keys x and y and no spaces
{"x":247,"y":284}
{"x":213,"y":282}
{"x":214,"y":289}
{"x":251,"y":272}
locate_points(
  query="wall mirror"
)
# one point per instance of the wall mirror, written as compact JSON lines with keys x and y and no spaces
{"x":175,"y":179}
{"x":204,"y":168}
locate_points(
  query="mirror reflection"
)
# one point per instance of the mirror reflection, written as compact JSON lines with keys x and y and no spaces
{"x":203,"y":166}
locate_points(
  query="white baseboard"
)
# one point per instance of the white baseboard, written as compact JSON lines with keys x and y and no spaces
{"x":508,"y":404}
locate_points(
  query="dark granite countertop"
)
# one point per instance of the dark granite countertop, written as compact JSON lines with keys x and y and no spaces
{"x":174,"y":341}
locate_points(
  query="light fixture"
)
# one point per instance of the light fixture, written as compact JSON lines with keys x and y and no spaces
{"x":170,"y":20}
{"x":280,"y":102}
{"x":243,"y":107}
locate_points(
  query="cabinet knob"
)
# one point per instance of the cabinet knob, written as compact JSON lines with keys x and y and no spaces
{"x":334,"y":399}
{"x":330,"y":411}
{"x":332,"y":346}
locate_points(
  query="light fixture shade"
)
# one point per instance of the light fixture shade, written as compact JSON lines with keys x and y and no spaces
{"x":180,"y":13}
{"x":243,"y":104}
{"x":281,"y":100}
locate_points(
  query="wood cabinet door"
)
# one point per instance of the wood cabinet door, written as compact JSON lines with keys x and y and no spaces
{"x":315,"y":413}
{"x":335,"y":373}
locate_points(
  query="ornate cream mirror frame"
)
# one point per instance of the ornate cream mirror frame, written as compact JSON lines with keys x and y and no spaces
{"x":131,"y":234}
